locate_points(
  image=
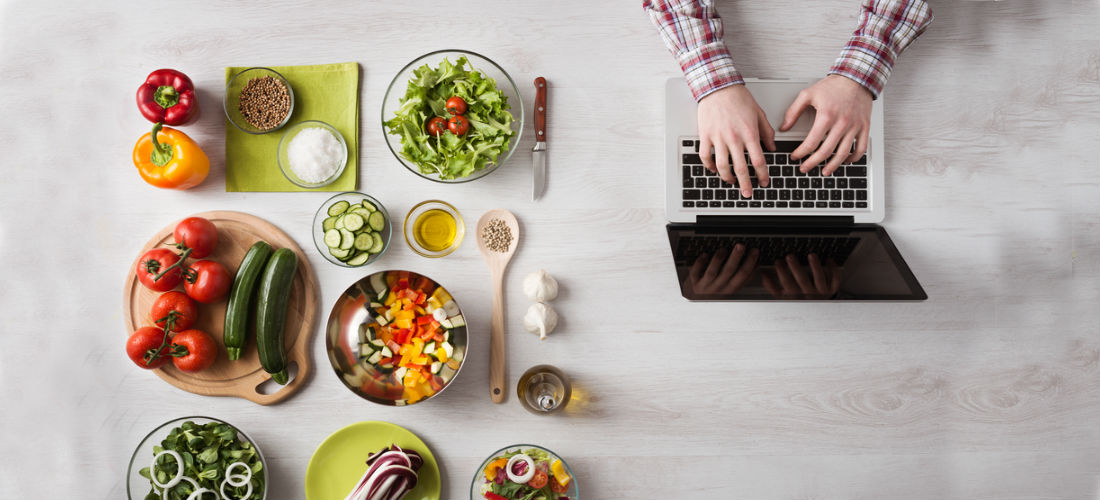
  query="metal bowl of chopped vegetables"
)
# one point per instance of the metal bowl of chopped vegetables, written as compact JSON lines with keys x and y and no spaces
{"x":188,"y":454}
{"x":420,"y":92}
{"x":396,"y":338}
{"x":258,"y":100}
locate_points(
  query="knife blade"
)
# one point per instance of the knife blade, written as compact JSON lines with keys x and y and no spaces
{"x":538,"y":153}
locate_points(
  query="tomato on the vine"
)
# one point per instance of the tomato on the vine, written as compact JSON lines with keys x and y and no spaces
{"x":437,"y":125}
{"x":143,"y":345}
{"x":154,"y":262}
{"x":193,"y":350}
{"x":456,"y":105}
{"x":458,"y":125}
{"x":198,"y":234}
{"x":206,"y":281}
{"x":179,"y":306}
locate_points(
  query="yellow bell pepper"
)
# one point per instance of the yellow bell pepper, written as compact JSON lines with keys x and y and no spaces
{"x":167,"y":158}
{"x":493,"y":467}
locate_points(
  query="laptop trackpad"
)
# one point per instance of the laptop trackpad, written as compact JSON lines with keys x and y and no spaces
{"x":774,"y":97}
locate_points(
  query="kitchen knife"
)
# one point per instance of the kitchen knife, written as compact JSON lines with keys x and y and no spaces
{"x":538,"y":153}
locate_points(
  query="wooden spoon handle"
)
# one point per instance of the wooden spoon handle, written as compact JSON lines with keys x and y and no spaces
{"x":496,"y":346}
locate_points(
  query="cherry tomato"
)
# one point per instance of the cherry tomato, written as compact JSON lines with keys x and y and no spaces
{"x":458,"y":125}
{"x":207,"y":281}
{"x":538,"y":480}
{"x":557,"y":487}
{"x":193,"y":350}
{"x":179,"y":305}
{"x":153,"y":262}
{"x":143,"y":343}
{"x":437,"y":125}
{"x":198,"y":234}
{"x":456,"y":106}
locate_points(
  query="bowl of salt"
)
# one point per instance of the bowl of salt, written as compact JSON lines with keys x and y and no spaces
{"x":312,"y":154}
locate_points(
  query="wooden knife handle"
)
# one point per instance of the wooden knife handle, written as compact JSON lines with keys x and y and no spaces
{"x":540,"y":109}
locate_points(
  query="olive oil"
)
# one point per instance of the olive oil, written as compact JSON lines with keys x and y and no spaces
{"x":435,"y":230}
{"x":544,"y":389}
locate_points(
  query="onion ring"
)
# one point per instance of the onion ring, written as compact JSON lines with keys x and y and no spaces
{"x":247,"y":476}
{"x":247,"y":494}
{"x":179,"y":469}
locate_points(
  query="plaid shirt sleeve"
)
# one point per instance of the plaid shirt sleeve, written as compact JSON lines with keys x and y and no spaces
{"x":886,"y":28}
{"x":692,"y":31}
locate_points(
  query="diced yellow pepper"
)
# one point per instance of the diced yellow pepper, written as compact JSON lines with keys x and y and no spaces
{"x":390,"y":299}
{"x":441,"y":295}
{"x":441,"y":354}
{"x":421,"y":360}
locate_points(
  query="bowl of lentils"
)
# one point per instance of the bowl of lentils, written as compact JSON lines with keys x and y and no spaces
{"x":258,"y":100}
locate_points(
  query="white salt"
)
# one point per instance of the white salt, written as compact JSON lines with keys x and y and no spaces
{"x":315,"y":155}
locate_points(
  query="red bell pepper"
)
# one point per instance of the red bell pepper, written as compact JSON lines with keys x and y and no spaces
{"x":493,"y":496}
{"x":168,"y":97}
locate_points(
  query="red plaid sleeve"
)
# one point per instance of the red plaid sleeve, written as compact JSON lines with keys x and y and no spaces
{"x":692,"y":31}
{"x":886,"y":28}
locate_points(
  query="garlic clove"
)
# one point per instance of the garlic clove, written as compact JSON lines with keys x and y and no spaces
{"x":540,"y":319}
{"x":540,"y":286}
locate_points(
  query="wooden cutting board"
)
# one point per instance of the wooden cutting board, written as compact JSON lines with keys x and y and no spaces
{"x":236,"y":233}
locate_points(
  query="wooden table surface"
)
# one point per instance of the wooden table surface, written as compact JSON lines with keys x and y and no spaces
{"x":989,"y":389}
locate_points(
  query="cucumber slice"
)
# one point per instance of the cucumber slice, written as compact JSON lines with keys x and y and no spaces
{"x":339,"y":254}
{"x":332,"y":238}
{"x":338,"y":208}
{"x":346,"y":239}
{"x":329,"y":223}
{"x":363,"y":241}
{"x":359,"y":259}
{"x":377,"y":221}
{"x":353,"y":221}
{"x":377,"y":246}
{"x":356,"y":209}
{"x":369,"y":206}
{"x":339,"y":224}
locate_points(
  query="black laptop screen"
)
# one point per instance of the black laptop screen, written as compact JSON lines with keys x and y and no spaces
{"x":724,"y":262}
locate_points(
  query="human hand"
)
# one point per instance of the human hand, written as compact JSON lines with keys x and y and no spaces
{"x":724,"y":273}
{"x":795,"y":283}
{"x":843,"y":117}
{"x":732,"y":123}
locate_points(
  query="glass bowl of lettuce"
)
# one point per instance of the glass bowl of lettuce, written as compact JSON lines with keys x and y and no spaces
{"x":419,"y":92}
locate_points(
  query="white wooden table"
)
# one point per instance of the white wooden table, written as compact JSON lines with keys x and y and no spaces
{"x":990,"y":389}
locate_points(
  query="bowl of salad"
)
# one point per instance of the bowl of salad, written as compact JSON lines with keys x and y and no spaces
{"x":396,"y":338}
{"x":524,"y":471}
{"x":197,"y":457}
{"x":452,"y":116}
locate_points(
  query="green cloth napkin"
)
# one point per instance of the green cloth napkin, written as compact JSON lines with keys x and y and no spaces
{"x":325,"y":92}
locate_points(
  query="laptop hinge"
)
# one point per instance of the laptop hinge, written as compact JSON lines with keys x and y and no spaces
{"x":776,"y":220}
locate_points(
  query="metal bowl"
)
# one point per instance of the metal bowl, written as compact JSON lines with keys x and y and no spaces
{"x":138,"y":487}
{"x":396,"y":92}
{"x":351,"y":318}
{"x":479,"y":476}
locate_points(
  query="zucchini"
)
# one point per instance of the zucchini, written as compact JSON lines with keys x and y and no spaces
{"x":272,"y":298}
{"x":374,"y":358}
{"x":240,"y":298}
{"x":365,"y":351}
{"x":338,"y":208}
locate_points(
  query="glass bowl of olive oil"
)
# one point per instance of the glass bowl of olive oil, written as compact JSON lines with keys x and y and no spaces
{"x":434,"y":228}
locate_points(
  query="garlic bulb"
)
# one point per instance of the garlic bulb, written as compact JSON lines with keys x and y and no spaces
{"x":540,"y":319}
{"x":540,"y":286}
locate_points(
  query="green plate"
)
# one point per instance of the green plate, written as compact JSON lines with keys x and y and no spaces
{"x":341,"y":460}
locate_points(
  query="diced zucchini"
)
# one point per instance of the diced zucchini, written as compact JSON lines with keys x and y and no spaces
{"x":446,"y":336}
{"x":359,"y":259}
{"x":338,"y":208}
{"x":378,"y":343}
{"x":364,"y":334}
{"x":451,"y":308}
{"x":376,"y":244}
{"x":459,"y":354}
{"x":353,"y":221}
{"x":448,"y":349}
{"x":446,"y":324}
{"x":430,"y":348}
{"x":386,"y":352}
{"x":382,"y":320}
{"x":378,"y":283}
{"x":377,"y":221}
{"x":332,"y":238}
{"x":436,"y":366}
{"x":374,"y":304}
{"x":375,"y":357}
{"x":457,"y":321}
{"x":400,"y":373}
{"x":365,"y":350}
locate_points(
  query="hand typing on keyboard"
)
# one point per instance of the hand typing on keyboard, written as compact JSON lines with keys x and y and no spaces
{"x":732,"y":123}
{"x":843,"y":117}
{"x":723,"y":273}
{"x":792,"y":281}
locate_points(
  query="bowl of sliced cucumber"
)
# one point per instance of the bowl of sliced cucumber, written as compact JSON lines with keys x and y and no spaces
{"x":351,"y":229}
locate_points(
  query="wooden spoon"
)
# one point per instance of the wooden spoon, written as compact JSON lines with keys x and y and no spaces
{"x":498,"y":262}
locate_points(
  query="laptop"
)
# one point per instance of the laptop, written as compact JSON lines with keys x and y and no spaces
{"x":804,"y":237}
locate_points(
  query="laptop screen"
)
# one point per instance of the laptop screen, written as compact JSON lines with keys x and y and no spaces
{"x":729,"y":262}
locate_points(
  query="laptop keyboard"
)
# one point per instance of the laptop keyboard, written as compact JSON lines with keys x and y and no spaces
{"x":771,"y":248}
{"x":847,"y":188}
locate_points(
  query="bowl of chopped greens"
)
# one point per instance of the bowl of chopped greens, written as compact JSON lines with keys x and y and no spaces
{"x":197,"y":457}
{"x":452,"y":116}
{"x":524,"y":471}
